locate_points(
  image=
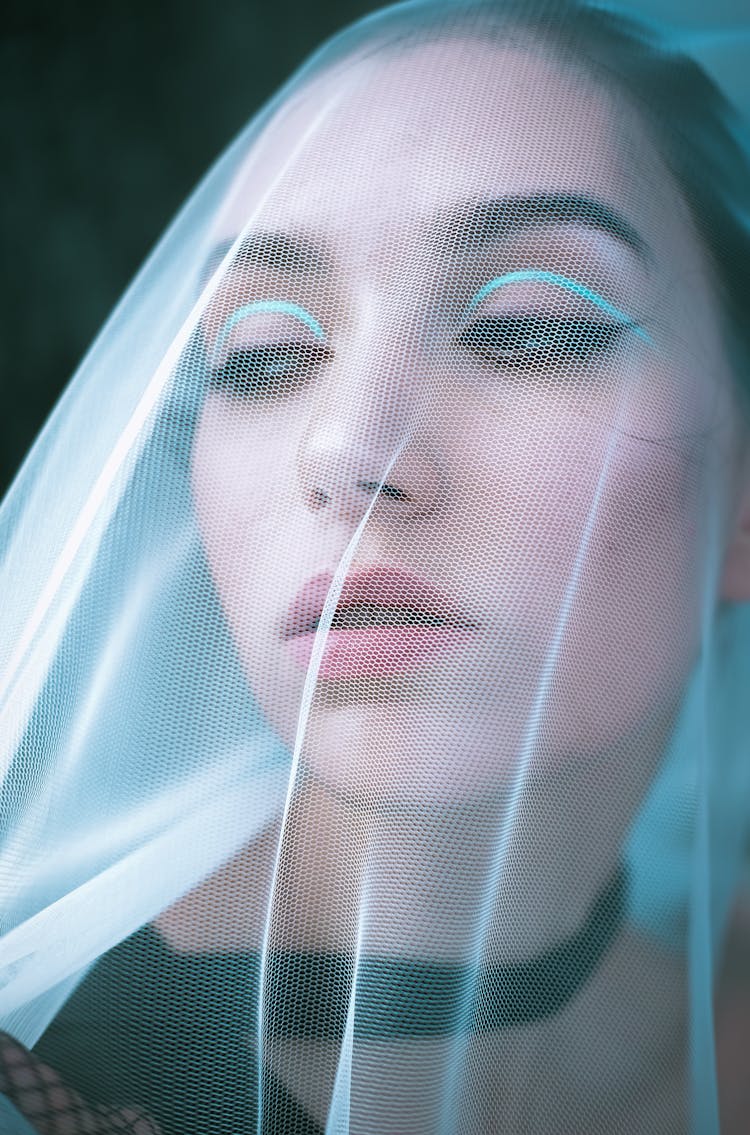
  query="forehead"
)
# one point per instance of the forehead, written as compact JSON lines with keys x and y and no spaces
{"x":386,"y":142}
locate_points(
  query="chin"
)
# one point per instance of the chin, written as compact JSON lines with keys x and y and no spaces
{"x":380,"y":747}
{"x":453,"y":736}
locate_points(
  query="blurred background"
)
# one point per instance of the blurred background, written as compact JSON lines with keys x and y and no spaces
{"x":111,"y":112}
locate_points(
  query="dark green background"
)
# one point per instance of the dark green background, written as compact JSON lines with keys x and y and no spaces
{"x":109,"y":115}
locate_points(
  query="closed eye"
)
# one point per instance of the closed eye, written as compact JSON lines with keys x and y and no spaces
{"x":268,"y":370}
{"x":539,"y":342}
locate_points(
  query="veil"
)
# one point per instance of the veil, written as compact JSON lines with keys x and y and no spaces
{"x":375,"y":632}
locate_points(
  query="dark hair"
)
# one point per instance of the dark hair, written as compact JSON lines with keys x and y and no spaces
{"x":696,"y":129}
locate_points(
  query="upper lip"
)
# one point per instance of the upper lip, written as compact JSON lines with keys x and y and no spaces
{"x":379,"y":586}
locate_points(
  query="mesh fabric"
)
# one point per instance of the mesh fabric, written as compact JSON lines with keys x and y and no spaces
{"x":375,"y":635}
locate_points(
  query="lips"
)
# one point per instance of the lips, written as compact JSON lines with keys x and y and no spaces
{"x":385,"y":621}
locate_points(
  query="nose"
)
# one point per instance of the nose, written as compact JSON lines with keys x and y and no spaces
{"x":368,"y":442}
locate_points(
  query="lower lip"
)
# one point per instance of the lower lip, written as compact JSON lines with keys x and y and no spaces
{"x":378,"y":650}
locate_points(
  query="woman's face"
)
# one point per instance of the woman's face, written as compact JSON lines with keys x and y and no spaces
{"x":467,"y":277}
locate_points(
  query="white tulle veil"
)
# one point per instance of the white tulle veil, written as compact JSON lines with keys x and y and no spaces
{"x":482,"y":795}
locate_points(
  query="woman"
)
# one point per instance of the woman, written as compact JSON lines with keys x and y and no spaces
{"x":378,"y":676}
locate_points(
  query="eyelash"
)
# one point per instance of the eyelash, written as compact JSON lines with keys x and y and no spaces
{"x":534,"y":343}
{"x":247,"y":373}
{"x":540,"y":342}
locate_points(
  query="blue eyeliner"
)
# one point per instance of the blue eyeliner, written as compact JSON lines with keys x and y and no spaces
{"x":561,"y":282}
{"x":283,"y":307}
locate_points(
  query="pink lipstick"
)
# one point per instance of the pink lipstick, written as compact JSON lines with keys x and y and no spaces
{"x":386,"y":621}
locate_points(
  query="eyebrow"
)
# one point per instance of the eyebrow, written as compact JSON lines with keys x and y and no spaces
{"x":477,"y":223}
{"x":268,"y":248}
{"x":466,"y":227}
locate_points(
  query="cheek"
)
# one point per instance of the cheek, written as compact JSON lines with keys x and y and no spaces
{"x":592,"y":548}
{"x":237,"y":478}
{"x":636,"y":619}
{"x":634,"y":627}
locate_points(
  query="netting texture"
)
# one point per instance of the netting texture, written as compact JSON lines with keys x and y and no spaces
{"x":375,"y":637}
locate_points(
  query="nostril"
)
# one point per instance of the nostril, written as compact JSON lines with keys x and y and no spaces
{"x":386,"y":489}
{"x":338,"y":483}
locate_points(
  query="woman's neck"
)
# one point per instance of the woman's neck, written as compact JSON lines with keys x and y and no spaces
{"x":503,"y":881}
